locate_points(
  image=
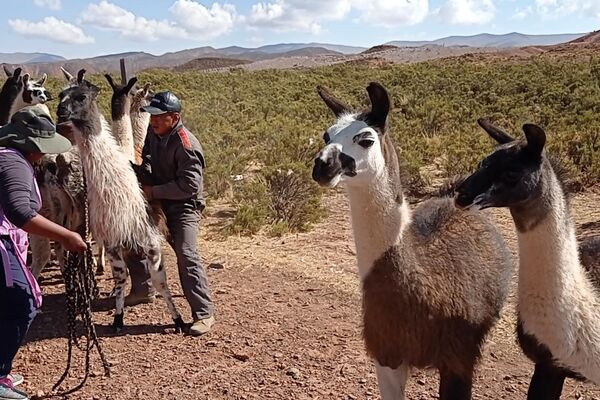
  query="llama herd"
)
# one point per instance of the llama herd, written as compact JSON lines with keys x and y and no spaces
{"x":120,"y":219}
{"x":434,"y":278}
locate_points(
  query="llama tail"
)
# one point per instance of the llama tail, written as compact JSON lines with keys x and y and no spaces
{"x":159,"y":218}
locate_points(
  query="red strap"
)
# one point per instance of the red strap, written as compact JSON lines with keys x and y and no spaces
{"x":185,"y":139}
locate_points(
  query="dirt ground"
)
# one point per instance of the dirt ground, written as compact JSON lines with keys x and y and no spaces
{"x":288,"y":327}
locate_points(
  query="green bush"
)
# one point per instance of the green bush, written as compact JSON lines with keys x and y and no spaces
{"x":252,"y":123}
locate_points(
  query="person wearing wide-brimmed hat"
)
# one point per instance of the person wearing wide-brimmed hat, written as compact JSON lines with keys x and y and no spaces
{"x":30,"y":134}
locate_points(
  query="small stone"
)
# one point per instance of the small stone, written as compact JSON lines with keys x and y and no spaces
{"x":293,"y":372}
{"x":362,"y":381}
{"x":277,"y":355}
{"x":421,"y":382}
{"x":241,"y":357}
{"x":216,"y":266}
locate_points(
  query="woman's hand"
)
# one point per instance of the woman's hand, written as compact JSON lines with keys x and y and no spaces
{"x":73,"y":242}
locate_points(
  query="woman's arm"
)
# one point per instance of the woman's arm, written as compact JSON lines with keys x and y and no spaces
{"x":16,"y":180}
{"x":41,"y":226}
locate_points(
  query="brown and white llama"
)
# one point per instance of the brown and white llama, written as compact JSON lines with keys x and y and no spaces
{"x":140,"y":120}
{"x":118,"y":209}
{"x":558,"y":305}
{"x":120,"y":107}
{"x":434,"y":279}
{"x":19,"y":91}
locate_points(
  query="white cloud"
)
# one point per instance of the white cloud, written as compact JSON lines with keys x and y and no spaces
{"x":109,"y":16}
{"x":51,"y":4}
{"x":191,"y":20}
{"x":467,"y":12}
{"x":198,"y":20}
{"x":312,"y":15}
{"x":50,"y":28}
{"x":560,"y":8}
{"x":297,"y":15}
{"x":522,"y":13}
{"x":391,"y":13}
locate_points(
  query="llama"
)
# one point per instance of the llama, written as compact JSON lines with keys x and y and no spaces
{"x":558,"y":308}
{"x":140,"y":120}
{"x":20,"y":91}
{"x":434,"y":279}
{"x":120,"y":105}
{"x":118,"y":209}
{"x":61,"y":187}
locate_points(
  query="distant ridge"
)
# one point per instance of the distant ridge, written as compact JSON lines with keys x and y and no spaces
{"x":513,"y":39}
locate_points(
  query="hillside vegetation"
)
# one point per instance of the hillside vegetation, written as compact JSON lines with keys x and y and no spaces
{"x":261,"y":130}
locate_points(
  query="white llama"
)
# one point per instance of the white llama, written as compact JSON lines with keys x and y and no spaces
{"x":118,"y":209}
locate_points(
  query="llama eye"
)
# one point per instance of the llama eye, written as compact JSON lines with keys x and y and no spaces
{"x":511,"y":176}
{"x":326,"y":138}
{"x":366,"y":143}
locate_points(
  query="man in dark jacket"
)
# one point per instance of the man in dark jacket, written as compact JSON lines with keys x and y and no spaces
{"x":176,"y":161}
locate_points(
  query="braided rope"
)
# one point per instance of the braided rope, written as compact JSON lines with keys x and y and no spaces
{"x":80,"y":289}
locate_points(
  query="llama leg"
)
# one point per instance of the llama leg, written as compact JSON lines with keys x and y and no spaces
{"x":159,"y":281}
{"x":392,"y":382}
{"x":454,"y":386}
{"x":101,"y":260}
{"x":119,"y":271}
{"x":40,"y":254}
{"x":546,"y":383}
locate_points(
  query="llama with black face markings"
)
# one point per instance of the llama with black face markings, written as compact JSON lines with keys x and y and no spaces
{"x":434,"y":279}
{"x":19,"y":91}
{"x":558,"y":306}
{"x":118,"y":209}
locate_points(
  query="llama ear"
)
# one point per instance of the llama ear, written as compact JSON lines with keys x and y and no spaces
{"x":67,"y":74}
{"x":17,"y":73}
{"x":147,"y":87}
{"x":130,"y":84}
{"x":80,"y":76}
{"x":26,"y":80}
{"x":536,"y":139}
{"x":334,"y":104}
{"x":380,"y":105}
{"x":496,"y":133}
{"x":110,"y":81}
{"x":43,"y":80}
{"x":7,"y":71}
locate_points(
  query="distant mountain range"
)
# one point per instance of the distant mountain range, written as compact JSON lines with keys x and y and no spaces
{"x":28,"y":58}
{"x":137,"y":61}
{"x":513,"y":39}
{"x":38,"y":63}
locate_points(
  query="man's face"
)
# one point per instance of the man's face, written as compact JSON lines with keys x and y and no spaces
{"x":162,"y":124}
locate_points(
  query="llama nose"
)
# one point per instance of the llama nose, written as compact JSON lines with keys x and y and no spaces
{"x":324,"y":170}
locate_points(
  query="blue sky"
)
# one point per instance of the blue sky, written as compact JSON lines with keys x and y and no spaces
{"x":87,"y":28}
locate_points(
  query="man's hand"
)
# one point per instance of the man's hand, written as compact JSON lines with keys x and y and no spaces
{"x":147,"y":192}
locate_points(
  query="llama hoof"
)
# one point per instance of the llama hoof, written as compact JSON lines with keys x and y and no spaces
{"x":118,"y":324}
{"x":179,"y":325}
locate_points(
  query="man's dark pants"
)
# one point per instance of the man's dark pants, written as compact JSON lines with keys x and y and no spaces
{"x":183,"y":220}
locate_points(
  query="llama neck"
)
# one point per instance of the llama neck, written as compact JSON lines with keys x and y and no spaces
{"x":557,"y":302}
{"x":380,"y":215}
{"x":549,"y":260}
{"x":123,"y":133}
{"x":139,"y":123}
{"x":10,"y":103}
